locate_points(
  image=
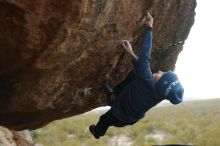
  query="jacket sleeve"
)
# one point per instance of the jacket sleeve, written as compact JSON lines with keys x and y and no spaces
{"x":144,"y":56}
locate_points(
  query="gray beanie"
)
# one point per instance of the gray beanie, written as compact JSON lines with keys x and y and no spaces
{"x":169,"y":87}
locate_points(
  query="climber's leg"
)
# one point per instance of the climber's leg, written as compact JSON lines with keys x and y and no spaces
{"x":102,"y":126}
{"x":105,"y":121}
{"x":129,"y":78}
{"x":118,"y":88}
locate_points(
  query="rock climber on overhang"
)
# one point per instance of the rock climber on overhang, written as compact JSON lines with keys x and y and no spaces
{"x":140,"y":90}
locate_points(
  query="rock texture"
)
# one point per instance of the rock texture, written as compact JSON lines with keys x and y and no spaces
{"x":13,"y":138}
{"x":50,"y":49}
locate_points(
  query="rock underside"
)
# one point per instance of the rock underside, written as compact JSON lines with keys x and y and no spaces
{"x":51,"y":49}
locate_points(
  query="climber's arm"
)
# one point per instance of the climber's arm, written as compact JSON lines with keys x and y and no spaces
{"x":142,"y":61}
{"x":128,"y":48}
{"x":144,"y":56}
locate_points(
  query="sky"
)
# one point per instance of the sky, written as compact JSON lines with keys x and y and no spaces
{"x":198,"y":64}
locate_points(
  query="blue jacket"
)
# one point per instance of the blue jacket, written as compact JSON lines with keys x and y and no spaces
{"x":139,"y":95}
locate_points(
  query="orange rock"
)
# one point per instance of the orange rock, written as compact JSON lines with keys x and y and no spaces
{"x":50,"y":49}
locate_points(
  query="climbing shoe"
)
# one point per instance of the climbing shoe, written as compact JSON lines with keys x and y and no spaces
{"x":108,"y":91}
{"x":92,"y":131}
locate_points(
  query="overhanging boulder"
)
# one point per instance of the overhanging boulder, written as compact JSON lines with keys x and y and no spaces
{"x":50,"y":49}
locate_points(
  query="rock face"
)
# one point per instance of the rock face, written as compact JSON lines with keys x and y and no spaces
{"x":50,"y":49}
{"x":13,"y":138}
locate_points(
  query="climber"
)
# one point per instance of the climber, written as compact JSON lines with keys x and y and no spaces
{"x":140,"y":90}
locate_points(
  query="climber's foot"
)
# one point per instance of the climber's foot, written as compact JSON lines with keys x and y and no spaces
{"x":149,"y":21}
{"x":92,"y":131}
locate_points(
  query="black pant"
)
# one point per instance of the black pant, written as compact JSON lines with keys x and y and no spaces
{"x":108,"y":119}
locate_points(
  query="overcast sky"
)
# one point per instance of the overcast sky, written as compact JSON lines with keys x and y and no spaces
{"x":198,"y":65}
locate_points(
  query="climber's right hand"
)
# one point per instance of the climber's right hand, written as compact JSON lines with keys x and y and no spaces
{"x":149,"y":21}
{"x":127,"y":46}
